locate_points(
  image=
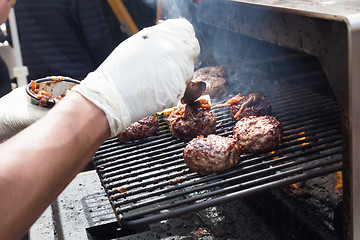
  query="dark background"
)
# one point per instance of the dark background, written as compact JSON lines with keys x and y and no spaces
{"x":143,"y":15}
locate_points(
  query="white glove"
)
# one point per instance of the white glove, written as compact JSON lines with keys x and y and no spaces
{"x":16,"y":112}
{"x":145,"y":74}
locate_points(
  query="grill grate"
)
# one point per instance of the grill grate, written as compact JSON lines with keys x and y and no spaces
{"x":147,"y":181}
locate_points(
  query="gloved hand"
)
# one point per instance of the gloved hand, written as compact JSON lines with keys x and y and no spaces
{"x":16,"y":112}
{"x":145,"y":74}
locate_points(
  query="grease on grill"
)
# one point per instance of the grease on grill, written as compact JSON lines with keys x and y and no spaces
{"x":121,"y":190}
{"x":201,"y":233}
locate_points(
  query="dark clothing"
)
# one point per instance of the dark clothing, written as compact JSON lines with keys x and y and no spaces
{"x":5,"y":83}
{"x":62,"y":37}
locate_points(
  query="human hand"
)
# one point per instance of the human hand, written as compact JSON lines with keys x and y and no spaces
{"x":145,"y":74}
{"x":16,"y":112}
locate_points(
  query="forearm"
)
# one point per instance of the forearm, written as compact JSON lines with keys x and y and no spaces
{"x":50,"y":152}
{"x":145,"y":74}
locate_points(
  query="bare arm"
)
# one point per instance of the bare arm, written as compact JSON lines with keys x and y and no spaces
{"x":144,"y":74}
{"x":38,"y":163}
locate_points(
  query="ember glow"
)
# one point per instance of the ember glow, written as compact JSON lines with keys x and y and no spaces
{"x":273,"y":153}
{"x":339,"y":183}
{"x":297,"y":187}
{"x":302,"y":139}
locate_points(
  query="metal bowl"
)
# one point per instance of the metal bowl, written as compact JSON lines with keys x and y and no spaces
{"x":54,"y":86}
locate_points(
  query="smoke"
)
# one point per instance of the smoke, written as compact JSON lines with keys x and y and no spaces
{"x":245,"y":58}
{"x":173,"y":8}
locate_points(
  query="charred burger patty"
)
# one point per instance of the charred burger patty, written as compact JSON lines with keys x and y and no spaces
{"x":141,"y":129}
{"x":214,"y":77}
{"x":211,"y":154}
{"x":258,"y":134}
{"x":216,"y":71}
{"x":252,"y":105}
{"x":191,"y":120}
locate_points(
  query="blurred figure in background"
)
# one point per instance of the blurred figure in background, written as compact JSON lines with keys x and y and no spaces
{"x":142,"y":12}
{"x":62,"y":37}
{"x":5,"y":83}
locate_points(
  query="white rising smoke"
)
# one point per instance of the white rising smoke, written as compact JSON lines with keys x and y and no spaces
{"x":172,"y":8}
{"x":244,"y":57}
{"x":175,"y":9}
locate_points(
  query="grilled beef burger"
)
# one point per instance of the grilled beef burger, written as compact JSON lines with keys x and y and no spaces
{"x":211,"y":154}
{"x":141,"y":129}
{"x":252,"y":105}
{"x":191,"y":120}
{"x":258,"y":134}
{"x":216,"y":71}
{"x":214,"y":77}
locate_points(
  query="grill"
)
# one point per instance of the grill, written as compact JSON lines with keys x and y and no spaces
{"x":147,"y":181}
{"x":307,"y":51}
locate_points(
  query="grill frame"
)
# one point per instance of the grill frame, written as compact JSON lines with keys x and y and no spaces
{"x":117,"y":163}
{"x":328,"y":30}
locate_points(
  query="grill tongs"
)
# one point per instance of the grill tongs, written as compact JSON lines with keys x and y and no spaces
{"x":193,"y":91}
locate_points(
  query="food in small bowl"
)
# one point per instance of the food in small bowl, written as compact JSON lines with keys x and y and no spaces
{"x":46,"y":92}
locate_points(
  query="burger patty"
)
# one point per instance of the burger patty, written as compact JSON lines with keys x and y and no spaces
{"x":214,"y":77}
{"x":191,"y":120}
{"x":215,"y":86}
{"x":258,"y":134}
{"x":253,"y":105}
{"x":211,"y":154}
{"x":141,"y":129}
{"x":216,"y":71}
